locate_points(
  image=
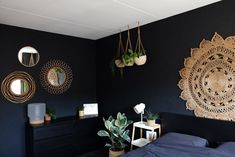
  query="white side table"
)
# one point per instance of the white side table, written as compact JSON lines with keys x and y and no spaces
{"x":143,"y":141}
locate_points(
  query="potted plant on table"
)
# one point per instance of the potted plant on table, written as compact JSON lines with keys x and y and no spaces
{"x":117,"y":133}
{"x":151,"y":117}
{"x":50,"y":114}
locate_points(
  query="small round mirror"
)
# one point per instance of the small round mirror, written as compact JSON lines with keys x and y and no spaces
{"x":56,"y":76}
{"x":28,"y":56}
{"x":19,"y":87}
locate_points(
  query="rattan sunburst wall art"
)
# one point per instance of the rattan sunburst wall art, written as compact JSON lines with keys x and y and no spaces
{"x":56,"y":76}
{"x":208,"y":79}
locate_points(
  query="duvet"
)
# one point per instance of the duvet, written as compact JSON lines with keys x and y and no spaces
{"x":173,"y":150}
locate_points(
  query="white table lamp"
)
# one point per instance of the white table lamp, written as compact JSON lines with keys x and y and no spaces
{"x":139,"y":109}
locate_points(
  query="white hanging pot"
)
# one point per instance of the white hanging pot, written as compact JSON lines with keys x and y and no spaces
{"x":141,"y":60}
{"x":119,"y":63}
{"x":129,"y":62}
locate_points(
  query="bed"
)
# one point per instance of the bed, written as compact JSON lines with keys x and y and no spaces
{"x":189,"y":136}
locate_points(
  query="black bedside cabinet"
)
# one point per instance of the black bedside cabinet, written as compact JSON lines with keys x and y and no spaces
{"x":69,"y":136}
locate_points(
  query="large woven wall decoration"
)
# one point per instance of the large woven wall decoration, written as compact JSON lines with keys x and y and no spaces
{"x":208,"y":79}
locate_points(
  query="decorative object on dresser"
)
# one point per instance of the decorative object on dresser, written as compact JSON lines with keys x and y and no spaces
{"x":28,"y":56}
{"x":139,"y":109}
{"x":116,"y":131}
{"x":208,"y":80}
{"x":90,"y":109}
{"x":36,"y":113}
{"x":151,"y":117}
{"x":18,"y":87}
{"x":56,"y":76}
{"x":50,"y":114}
{"x":81,"y":111}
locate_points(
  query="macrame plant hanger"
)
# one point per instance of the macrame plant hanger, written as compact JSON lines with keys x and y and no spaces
{"x":128,"y":41}
{"x":128,"y":56}
{"x":118,"y":58}
{"x":139,"y":49}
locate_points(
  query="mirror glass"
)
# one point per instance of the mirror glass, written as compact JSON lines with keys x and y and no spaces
{"x":56,"y":76}
{"x":19,"y":87}
{"x":28,"y":56}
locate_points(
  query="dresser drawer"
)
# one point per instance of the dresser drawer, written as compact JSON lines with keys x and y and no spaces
{"x":53,"y":131}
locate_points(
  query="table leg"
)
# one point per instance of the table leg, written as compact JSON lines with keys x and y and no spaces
{"x":141,"y":132}
{"x":159,"y":130}
{"x":132,"y":138}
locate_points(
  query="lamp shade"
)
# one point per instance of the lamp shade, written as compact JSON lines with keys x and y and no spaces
{"x":139,"y":108}
{"x":36,"y":113}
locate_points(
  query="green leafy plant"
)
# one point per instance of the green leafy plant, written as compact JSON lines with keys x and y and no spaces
{"x":80,"y":108}
{"x":116,"y":131}
{"x":139,"y":53}
{"x":128,"y":57}
{"x":51,"y":112}
{"x":151,"y":116}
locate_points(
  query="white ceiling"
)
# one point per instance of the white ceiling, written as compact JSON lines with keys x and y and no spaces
{"x":92,"y":19}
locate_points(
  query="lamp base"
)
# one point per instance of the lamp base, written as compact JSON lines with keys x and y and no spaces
{"x":36,"y":122}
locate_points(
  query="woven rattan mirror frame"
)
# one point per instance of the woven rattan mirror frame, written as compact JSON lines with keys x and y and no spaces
{"x":6,"y":87}
{"x":46,"y":83}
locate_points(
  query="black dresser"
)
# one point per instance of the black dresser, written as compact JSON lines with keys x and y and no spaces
{"x":64,"y":137}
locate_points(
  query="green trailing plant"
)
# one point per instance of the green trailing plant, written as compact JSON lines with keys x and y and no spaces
{"x":116,"y":131}
{"x":51,"y":112}
{"x":128,"y":57}
{"x":151,"y":116}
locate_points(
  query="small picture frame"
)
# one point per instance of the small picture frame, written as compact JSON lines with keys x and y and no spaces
{"x":151,"y":137}
{"x":90,"y":109}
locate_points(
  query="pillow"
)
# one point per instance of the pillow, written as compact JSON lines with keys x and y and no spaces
{"x":177,"y":138}
{"x":228,"y":147}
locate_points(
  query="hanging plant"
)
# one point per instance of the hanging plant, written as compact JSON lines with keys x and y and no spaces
{"x":117,"y":60}
{"x":128,"y":55}
{"x":140,"y":55}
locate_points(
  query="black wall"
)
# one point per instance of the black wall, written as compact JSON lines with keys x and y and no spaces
{"x":167,"y":43}
{"x":78,"y":53}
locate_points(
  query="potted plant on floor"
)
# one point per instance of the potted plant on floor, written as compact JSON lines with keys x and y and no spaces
{"x":151,"y":117}
{"x":50,"y":114}
{"x":117,"y":133}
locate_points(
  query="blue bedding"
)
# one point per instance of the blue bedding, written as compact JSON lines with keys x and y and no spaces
{"x":175,"y":150}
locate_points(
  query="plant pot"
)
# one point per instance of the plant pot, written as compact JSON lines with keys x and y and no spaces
{"x":150,"y":122}
{"x":129,"y":62}
{"x":47,"y":117}
{"x":119,"y":63}
{"x":118,"y":153}
{"x":141,"y":60}
{"x":81,"y":113}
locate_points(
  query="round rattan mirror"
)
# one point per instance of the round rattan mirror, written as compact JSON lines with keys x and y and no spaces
{"x":56,"y":76}
{"x":28,"y":56}
{"x":18,"y":87}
